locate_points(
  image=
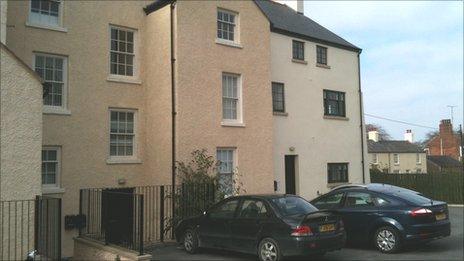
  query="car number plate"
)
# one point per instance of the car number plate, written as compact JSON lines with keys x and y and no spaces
{"x":440,"y":216}
{"x":327,"y":228}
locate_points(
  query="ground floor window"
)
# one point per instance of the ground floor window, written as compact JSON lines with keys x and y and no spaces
{"x":225,"y":158}
{"x":50,"y":166}
{"x":337,"y":172}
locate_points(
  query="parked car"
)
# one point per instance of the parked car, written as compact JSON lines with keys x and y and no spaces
{"x":386,"y":215}
{"x":271,"y":226}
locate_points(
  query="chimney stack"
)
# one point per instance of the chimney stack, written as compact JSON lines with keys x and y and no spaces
{"x":409,"y":136}
{"x":300,"y":6}
{"x":297,"y":5}
{"x":446,"y":126}
{"x":373,"y":135}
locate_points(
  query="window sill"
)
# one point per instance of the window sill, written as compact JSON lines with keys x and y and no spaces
{"x":278,"y":113}
{"x":341,"y":118}
{"x":47,"y":27}
{"x":232,"y":124}
{"x":114,"y":78}
{"x":418,"y":163}
{"x":322,"y":66}
{"x":52,"y":190}
{"x":112,"y":161}
{"x":229,"y":43}
{"x":56,"y":110}
{"x":299,"y":61}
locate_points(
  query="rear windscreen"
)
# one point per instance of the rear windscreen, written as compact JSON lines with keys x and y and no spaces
{"x":414,"y":198}
{"x":293,"y":205}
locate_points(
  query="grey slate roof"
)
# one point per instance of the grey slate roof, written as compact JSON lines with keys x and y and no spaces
{"x":287,"y":21}
{"x":392,"y":146}
{"x":444,"y":161}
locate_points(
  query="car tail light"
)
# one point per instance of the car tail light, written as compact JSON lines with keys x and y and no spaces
{"x":420,"y":212}
{"x":301,"y":231}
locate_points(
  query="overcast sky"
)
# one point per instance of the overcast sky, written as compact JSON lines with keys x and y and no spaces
{"x":412,"y":59}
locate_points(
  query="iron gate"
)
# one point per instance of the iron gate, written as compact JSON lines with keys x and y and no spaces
{"x":27,"y":225}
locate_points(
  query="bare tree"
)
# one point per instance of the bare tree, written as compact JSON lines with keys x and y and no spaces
{"x":383,"y":134}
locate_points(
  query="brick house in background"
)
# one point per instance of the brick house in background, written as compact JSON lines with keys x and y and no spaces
{"x":446,"y":143}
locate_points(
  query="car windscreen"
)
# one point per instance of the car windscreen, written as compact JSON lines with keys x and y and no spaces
{"x":414,"y":198}
{"x":293,"y":205}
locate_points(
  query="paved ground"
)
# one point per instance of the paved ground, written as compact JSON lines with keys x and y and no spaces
{"x":450,"y":248}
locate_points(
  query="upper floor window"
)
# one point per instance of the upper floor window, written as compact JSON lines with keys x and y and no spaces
{"x":418,"y":158}
{"x":231,"y":97}
{"x":50,"y":166}
{"x":396,"y":159}
{"x":52,"y":69}
{"x":45,"y":12}
{"x":321,"y":55}
{"x":278,"y":97}
{"x":337,"y":172}
{"x":298,"y":50}
{"x":334,"y":103}
{"x":122,"y":54}
{"x":226,"y":25}
{"x":122,"y":133}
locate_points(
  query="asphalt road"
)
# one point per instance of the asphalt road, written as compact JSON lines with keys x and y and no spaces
{"x":450,"y":248}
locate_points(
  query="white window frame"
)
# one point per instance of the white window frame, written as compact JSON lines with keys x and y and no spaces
{"x":418,"y":159}
{"x":375,"y":159}
{"x":234,"y":159}
{"x":135,"y":78}
{"x":57,"y":27}
{"x":396,"y":161}
{"x":50,"y":187}
{"x":236,"y":41}
{"x":239,"y":120}
{"x":63,"y":109}
{"x":134,"y":159}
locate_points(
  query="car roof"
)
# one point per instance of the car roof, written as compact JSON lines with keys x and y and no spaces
{"x":375,"y":187}
{"x":263,"y":196}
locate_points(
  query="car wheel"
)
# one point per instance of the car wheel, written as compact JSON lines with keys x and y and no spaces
{"x":268,"y":250}
{"x":387,"y":240}
{"x":190,"y":241}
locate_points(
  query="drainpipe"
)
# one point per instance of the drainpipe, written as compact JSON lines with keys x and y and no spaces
{"x":173,"y":110}
{"x":361,"y":117}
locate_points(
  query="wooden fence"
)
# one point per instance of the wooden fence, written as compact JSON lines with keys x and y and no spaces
{"x":440,"y":186}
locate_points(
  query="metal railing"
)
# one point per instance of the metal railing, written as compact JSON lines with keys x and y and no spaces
{"x":153,"y":220}
{"x":113,"y":216}
{"x":28,"y":225}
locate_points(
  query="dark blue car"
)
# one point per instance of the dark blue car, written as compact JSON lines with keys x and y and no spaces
{"x":387,"y":216}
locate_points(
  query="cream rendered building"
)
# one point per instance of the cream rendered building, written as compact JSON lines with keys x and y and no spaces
{"x":316,"y":146}
{"x":107,"y":117}
{"x":396,"y":156}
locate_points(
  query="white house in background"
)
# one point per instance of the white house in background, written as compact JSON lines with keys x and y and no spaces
{"x":318,"y":124}
{"x":396,"y":156}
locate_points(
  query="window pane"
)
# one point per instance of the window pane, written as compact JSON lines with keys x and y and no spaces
{"x":359,"y":199}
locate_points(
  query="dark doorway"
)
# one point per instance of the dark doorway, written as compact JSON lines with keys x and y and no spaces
{"x":290,"y":174}
{"x":118,"y":215}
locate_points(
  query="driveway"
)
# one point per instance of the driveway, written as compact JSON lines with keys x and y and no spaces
{"x":450,"y":248}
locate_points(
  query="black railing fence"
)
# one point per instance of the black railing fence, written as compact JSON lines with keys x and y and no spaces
{"x":28,"y":225}
{"x":113,"y":216}
{"x":138,"y":217}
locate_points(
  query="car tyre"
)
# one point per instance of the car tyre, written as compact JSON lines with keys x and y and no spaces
{"x":387,"y":240}
{"x":190,"y":241}
{"x":269,"y":250}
